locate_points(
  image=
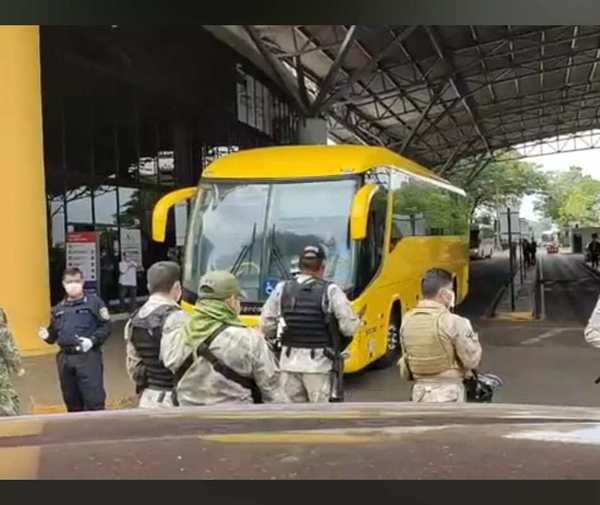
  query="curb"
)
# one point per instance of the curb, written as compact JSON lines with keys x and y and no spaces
{"x":596,"y":273}
{"x":490,"y":313}
{"x":539,"y":309}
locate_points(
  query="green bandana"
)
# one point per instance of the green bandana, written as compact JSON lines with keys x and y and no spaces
{"x":208,"y":315}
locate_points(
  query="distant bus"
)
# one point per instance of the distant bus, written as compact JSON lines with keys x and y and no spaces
{"x":549,"y":237}
{"x":481,"y":241}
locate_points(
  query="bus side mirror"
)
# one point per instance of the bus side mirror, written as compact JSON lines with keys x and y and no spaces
{"x":161,"y":210}
{"x":359,"y":216}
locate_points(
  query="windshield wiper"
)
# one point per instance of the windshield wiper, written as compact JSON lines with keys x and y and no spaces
{"x":247,"y":248}
{"x":275,"y":253}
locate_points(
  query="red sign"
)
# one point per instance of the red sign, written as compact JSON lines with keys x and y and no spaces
{"x":82,"y":237}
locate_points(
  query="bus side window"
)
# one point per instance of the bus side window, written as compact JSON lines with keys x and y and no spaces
{"x":403,"y":225}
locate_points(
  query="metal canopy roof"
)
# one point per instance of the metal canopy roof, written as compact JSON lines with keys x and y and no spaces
{"x":439,"y":94}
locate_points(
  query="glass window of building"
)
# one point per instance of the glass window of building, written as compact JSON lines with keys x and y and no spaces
{"x":56,"y":208}
{"x":259,"y":106}
{"x":251,"y":102}
{"x":57,"y":220}
{"x":105,"y":205}
{"x":109,"y":263}
{"x":129,"y":207}
{"x":79,"y":208}
{"x":166,"y":153}
{"x":148,"y":162}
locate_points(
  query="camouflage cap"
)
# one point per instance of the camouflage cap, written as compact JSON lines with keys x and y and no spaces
{"x":219,"y":285}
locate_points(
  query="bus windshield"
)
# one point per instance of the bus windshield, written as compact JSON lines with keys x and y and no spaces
{"x":257,"y":230}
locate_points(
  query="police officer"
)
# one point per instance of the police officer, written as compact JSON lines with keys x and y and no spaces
{"x":79,"y":325}
{"x":215,"y":357}
{"x":297,"y":310}
{"x":160,"y":315}
{"x":440,"y":348}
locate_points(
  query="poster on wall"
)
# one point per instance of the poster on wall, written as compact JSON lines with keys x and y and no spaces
{"x":131,"y":243}
{"x":83,"y":249}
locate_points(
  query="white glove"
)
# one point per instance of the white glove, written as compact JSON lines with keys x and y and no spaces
{"x":21,"y":372}
{"x":43,"y":334}
{"x":86,"y":344}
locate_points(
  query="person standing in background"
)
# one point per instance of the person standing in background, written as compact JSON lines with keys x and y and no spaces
{"x":127,"y":282}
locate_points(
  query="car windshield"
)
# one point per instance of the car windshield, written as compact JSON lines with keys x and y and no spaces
{"x":257,"y":230}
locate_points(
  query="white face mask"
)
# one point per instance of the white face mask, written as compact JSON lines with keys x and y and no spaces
{"x":73,"y":289}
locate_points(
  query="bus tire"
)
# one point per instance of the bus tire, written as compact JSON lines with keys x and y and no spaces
{"x":394,"y":350}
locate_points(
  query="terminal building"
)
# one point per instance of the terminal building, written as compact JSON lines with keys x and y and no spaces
{"x":99,"y":123}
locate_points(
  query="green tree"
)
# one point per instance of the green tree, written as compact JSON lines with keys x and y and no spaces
{"x":571,"y":196}
{"x":498,"y":182}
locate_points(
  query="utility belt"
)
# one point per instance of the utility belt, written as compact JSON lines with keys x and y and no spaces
{"x":72,"y":349}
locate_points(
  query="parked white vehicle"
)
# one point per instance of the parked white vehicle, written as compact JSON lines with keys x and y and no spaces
{"x":482,"y":241}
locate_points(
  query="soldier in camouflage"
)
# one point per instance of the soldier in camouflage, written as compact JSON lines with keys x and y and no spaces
{"x":215,"y":358}
{"x":440,"y":348}
{"x":161,"y":315}
{"x":10,"y":362}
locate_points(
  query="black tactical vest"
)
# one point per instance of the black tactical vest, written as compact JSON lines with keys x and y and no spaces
{"x":304,"y":310}
{"x":146,"y":334}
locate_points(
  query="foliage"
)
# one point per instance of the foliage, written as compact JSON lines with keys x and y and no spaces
{"x":499,"y":183}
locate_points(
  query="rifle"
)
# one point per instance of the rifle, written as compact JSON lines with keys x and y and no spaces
{"x":337,"y":355}
{"x":140,"y":378}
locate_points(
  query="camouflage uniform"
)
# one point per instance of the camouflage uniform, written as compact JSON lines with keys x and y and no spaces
{"x":592,"y":330}
{"x":448,"y":385}
{"x":306,"y":372}
{"x":242,"y":349}
{"x":151,"y":398}
{"x":10,"y":361}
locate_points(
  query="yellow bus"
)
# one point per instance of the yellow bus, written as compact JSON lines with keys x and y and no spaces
{"x":382,"y":219}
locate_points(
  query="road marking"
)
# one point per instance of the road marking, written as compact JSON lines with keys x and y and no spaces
{"x":549,"y":334}
{"x":514,"y":316}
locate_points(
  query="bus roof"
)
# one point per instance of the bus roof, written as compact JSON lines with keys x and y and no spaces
{"x":307,"y":161}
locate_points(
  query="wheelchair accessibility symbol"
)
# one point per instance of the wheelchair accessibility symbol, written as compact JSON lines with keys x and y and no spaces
{"x":270,"y":286}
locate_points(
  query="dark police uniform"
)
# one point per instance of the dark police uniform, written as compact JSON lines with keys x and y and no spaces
{"x":81,"y":374}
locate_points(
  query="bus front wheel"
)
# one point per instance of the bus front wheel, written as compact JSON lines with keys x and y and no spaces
{"x":393,"y":341}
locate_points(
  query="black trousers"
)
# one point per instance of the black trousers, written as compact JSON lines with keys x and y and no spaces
{"x":594,"y":258}
{"x":82,"y":380}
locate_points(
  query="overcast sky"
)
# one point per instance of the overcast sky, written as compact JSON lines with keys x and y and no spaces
{"x":588,"y":160}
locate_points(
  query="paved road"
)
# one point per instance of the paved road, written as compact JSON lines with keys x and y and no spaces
{"x":570,"y":288}
{"x":542,"y":362}
{"x":486,"y":278}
